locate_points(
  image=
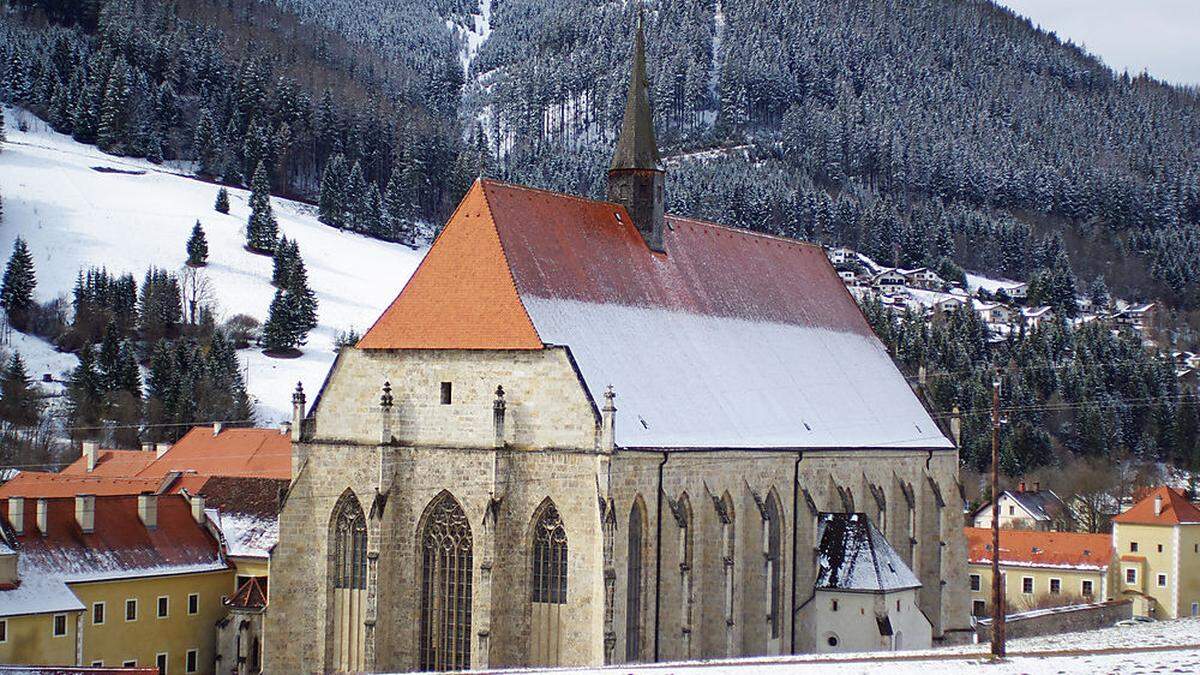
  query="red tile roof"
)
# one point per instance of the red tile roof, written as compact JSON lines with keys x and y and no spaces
{"x":40,"y":484}
{"x":249,"y":596}
{"x":261,"y":453}
{"x":112,"y":463}
{"x":1176,"y":509}
{"x":1032,"y":548}
{"x":520,"y":268}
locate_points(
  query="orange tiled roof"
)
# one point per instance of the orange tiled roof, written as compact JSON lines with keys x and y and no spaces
{"x":1176,"y":509}
{"x":462,"y":295}
{"x":260,"y":453}
{"x":36,"y":484}
{"x":1041,"y":549}
{"x":113,"y":463}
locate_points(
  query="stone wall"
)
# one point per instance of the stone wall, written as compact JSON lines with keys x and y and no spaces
{"x":1059,"y":620}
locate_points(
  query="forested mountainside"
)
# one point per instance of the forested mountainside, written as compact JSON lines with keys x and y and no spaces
{"x":904,"y":128}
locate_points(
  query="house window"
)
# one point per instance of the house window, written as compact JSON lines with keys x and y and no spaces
{"x":1131,"y":575}
{"x":979,"y":608}
{"x":163,"y":606}
{"x":3,"y":631}
{"x":132,"y":663}
{"x":97,"y":664}
{"x":60,"y":625}
{"x":1027,"y":585}
{"x":131,"y":609}
{"x":1055,"y":586}
{"x":446,"y":393}
{"x":1011,"y":511}
{"x":1195,"y":610}
{"x":1086,"y":588}
{"x":976,"y":583}
{"x":97,"y":613}
{"x":190,"y":662}
{"x":1133,"y":547}
{"x":160,"y":660}
{"x":1162,"y":581}
{"x":193,"y":603}
{"x":1160,"y":548}
{"x":834,"y":606}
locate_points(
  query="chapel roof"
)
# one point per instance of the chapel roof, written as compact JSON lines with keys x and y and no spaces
{"x":853,"y":555}
{"x":729,"y":339}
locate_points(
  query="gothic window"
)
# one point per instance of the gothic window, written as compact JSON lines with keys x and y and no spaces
{"x":550,"y":558}
{"x":774,"y":565}
{"x":685,"y":572}
{"x":548,"y":587}
{"x":348,"y":560}
{"x":445,"y":624}
{"x":633,"y":587}
{"x":350,"y":544}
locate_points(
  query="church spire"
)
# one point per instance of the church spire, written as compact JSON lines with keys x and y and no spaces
{"x":636,"y":147}
{"x":636,"y":176}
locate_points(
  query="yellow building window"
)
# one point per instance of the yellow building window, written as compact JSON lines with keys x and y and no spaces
{"x":1131,"y":575}
{"x":97,"y":613}
{"x":976,"y":584}
{"x":1055,"y":586}
{"x":1086,"y":588}
{"x":193,"y":603}
{"x":3,"y":631}
{"x":164,"y":606}
{"x":131,"y":609}
{"x":1162,"y":581}
{"x":191,"y":661}
{"x":1027,"y":585}
{"x":60,"y":625}
{"x":160,"y":660}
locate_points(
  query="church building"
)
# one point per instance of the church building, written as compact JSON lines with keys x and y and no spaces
{"x":591,"y":432}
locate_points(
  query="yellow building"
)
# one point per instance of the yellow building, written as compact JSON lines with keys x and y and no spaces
{"x":112,"y":581}
{"x":1158,"y":541}
{"x":1040,"y":569}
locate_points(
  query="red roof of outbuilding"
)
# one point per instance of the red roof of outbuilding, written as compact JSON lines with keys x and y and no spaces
{"x":39,"y":484}
{"x":1176,"y":509}
{"x":112,"y":463}
{"x":1034,"y":548}
{"x":261,"y":453}
{"x":249,"y":596}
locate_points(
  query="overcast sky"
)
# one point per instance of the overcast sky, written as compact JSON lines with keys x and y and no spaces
{"x":1159,"y":36}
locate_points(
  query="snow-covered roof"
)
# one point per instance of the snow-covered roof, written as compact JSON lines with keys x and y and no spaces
{"x":119,"y":547}
{"x":731,"y":339}
{"x":246,"y":535}
{"x":853,"y":555}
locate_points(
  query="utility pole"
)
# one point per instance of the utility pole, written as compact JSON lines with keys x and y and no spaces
{"x":997,"y":587}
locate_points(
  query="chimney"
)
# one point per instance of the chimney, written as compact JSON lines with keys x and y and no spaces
{"x":147,"y":447}
{"x":285,"y":428}
{"x":16,"y":514}
{"x":43,"y":518}
{"x":197,"y":502}
{"x":216,"y":428}
{"x":385,"y":414}
{"x":1158,"y":505}
{"x":90,"y":450}
{"x":161,"y":449}
{"x":85,"y":512}
{"x":148,"y":510}
{"x":498,"y":411}
{"x":636,"y":177}
{"x":608,"y":422}
{"x":297,"y":411}
{"x":1021,"y":486}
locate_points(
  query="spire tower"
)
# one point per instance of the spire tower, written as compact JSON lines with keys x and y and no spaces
{"x":636,"y":177}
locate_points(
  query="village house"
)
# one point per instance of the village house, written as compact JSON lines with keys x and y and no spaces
{"x":1033,"y":317}
{"x":923,"y":278}
{"x":993,"y":314}
{"x":1040,"y":569}
{"x":589,"y":432}
{"x":1158,"y":541}
{"x":842,"y":256}
{"x":122,"y":580}
{"x":889,"y":280}
{"x":1023,"y":509}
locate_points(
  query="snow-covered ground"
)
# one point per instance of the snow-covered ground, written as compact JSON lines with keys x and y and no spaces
{"x":74,"y":216}
{"x":1164,"y":646}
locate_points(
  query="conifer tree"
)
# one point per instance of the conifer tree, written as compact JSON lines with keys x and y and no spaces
{"x":197,"y":247}
{"x":279,"y":332}
{"x":19,"y":402}
{"x":262,"y":231}
{"x":85,"y":392}
{"x":16,"y":290}
{"x":222,"y":203}
{"x":302,"y":300}
{"x":282,"y":261}
{"x":331,"y":206}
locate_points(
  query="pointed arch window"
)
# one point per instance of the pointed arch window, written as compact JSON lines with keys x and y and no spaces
{"x":446,"y":586}
{"x":550,"y":558}
{"x":774,"y":565}
{"x":633,"y":586}
{"x":348,"y":560}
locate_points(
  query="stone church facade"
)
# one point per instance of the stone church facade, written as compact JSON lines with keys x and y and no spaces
{"x":589,"y":432}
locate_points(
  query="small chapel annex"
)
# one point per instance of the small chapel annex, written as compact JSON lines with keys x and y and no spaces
{"x":590,"y":432}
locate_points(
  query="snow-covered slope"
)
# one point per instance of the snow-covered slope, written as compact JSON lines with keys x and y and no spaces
{"x":74,"y":216}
